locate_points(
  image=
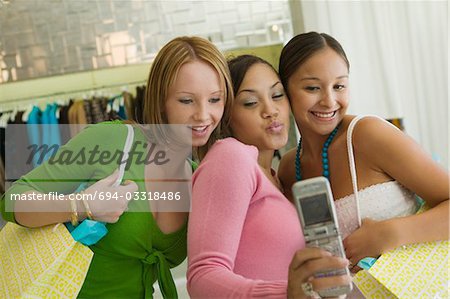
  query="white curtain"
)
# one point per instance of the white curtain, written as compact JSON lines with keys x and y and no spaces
{"x":398,"y":61}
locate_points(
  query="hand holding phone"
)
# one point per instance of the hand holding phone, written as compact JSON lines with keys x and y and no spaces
{"x":315,"y":206}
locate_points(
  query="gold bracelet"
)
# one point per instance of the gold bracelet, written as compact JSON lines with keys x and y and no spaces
{"x":86,"y":207}
{"x":74,"y":215}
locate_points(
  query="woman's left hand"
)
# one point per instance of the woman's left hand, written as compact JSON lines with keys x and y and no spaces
{"x":369,"y":240}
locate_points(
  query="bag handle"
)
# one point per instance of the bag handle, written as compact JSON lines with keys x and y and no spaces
{"x":126,"y":152}
{"x":351,"y":160}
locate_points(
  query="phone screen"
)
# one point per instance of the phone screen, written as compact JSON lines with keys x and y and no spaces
{"x":315,"y":209}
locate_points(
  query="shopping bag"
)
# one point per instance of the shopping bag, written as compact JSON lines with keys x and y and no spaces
{"x":415,"y":271}
{"x":41,"y":262}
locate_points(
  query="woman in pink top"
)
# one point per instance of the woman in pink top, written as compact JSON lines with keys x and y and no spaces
{"x":244,"y":236}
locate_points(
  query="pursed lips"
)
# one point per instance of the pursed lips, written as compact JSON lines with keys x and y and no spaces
{"x":275,"y":127}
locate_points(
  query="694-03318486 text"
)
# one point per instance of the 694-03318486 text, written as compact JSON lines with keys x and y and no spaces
{"x":163,"y":196}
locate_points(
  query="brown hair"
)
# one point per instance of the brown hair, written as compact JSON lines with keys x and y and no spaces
{"x":164,"y":72}
{"x":300,"y":48}
{"x":239,"y":67}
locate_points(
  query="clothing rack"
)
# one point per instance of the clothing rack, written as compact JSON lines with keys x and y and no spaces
{"x":63,"y":97}
{"x":79,"y":85}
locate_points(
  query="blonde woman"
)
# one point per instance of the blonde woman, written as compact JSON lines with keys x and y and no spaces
{"x":188,"y":85}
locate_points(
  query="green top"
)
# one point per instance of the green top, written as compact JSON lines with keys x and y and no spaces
{"x":135,"y":252}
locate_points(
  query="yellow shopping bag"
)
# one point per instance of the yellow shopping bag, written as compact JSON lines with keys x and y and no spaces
{"x":41,"y":263}
{"x":415,"y":271}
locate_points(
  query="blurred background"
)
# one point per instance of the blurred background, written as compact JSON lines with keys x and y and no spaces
{"x":62,"y":51}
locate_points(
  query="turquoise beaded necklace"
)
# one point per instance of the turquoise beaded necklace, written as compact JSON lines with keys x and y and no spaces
{"x":325,"y":165}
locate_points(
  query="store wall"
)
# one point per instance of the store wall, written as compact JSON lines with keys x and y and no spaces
{"x":108,"y":81}
{"x":47,"y":38}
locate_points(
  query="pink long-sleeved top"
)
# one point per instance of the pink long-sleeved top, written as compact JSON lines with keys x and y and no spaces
{"x":242,"y":232}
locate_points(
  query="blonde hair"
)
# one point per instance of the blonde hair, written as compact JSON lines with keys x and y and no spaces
{"x":164,"y":72}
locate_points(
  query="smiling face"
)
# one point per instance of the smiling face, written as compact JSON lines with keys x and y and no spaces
{"x":196,"y":99}
{"x":319,"y":92}
{"x":260,"y":114}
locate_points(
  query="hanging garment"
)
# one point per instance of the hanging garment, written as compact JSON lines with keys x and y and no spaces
{"x":34,"y":133}
{"x":50,"y":128}
{"x":139,"y":106}
{"x":129,"y":105}
{"x":98,"y":110}
{"x":77,"y":117}
{"x":2,"y":141}
{"x":64,"y":122}
{"x":112,"y":108}
{"x":122,"y":113}
{"x":2,"y":180}
{"x":17,"y":152}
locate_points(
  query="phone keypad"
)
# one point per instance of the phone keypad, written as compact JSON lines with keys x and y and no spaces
{"x":329,"y":244}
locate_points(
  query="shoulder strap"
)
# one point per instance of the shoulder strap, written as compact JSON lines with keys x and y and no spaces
{"x":126,"y":152}
{"x":351,"y":161}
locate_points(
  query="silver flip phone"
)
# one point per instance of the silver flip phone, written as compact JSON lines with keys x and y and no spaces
{"x":315,"y":207}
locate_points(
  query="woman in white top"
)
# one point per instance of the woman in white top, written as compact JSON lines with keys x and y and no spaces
{"x":374,"y":169}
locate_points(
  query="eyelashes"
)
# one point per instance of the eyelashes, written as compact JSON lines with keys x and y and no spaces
{"x":316,"y":88}
{"x":252,"y":102}
{"x":278,"y":96}
{"x":185,"y":101}
{"x":188,"y":101}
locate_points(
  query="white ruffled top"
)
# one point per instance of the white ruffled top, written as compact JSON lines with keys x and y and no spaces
{"x":379,"y":202}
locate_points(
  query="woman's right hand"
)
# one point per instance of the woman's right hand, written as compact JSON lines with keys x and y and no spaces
{"x":308,"y":261}
{"x":109,"y":201}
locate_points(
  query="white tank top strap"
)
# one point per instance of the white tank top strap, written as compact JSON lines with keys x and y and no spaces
{"x":351,"y":161}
